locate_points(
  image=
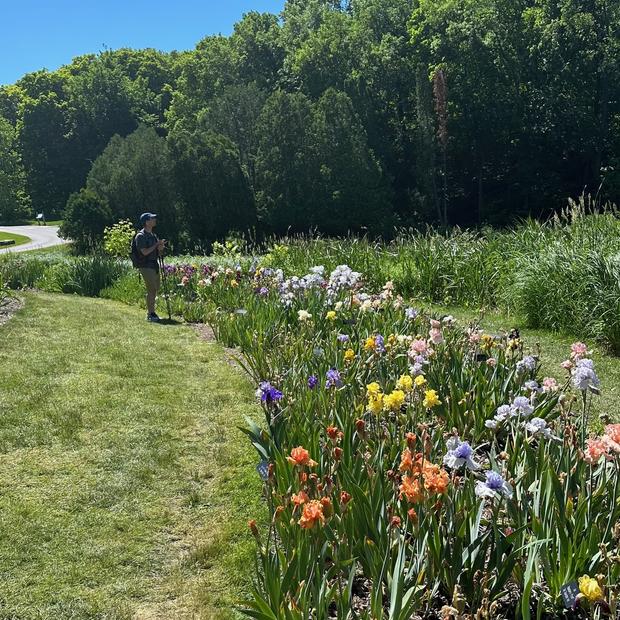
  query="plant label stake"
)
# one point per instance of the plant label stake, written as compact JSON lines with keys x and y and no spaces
{"x":263,"y":470}
{"x":569,"y":593}
{"x":164,"y":276}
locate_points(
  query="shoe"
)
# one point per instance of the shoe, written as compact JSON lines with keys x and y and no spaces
{"x":153,"y":318}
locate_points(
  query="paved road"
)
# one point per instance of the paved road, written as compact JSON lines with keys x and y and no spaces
{"x":42,"y":237}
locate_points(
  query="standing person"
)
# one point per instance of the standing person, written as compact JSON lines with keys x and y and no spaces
{"x":146,"y":249}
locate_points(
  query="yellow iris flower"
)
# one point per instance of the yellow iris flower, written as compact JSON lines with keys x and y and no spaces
{"x":431,"y":399}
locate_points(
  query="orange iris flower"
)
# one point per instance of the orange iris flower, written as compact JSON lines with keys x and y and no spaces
{"x":300,"y":456}
{"x":312,"y":514}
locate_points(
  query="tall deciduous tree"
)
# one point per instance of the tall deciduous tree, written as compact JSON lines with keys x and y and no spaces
{"x":234,"y":114}
{"x":350,"y":191}
{"x":47,"y":154}
{"x":13,"y":200}
{"x":284,"y":184}
{"x":214,"y":189}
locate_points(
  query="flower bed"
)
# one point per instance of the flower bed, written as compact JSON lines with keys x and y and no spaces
{"x":413,"y":467}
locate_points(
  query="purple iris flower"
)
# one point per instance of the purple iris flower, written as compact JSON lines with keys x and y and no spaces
{"x":343,"y":338}
{"x":313,"y":381}
{"x":333,"y":379}
{"x":379,"y":344}
{"x":267,"y":393}
{"x":464,"y":451}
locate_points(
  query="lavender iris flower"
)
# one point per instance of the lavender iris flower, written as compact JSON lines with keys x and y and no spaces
{"x":411,"y":313}
{"x":538,"y":426}
{"x":521,"y":406}
{"x":379,"y":344}
{"x":459,"y":453}
{"x":528,"y":363}
{"x":493,"y":486}
{"x":584,"y":377}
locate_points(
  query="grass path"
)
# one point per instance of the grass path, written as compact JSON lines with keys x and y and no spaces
{"x":555,"y":348}
{"x":125,"y":487}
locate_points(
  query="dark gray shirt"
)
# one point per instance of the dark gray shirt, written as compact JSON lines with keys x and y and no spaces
{"x":145,"y":240}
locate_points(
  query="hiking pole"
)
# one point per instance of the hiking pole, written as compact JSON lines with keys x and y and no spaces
{"x":162,"y":267}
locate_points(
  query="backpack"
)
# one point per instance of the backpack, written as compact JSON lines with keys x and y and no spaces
{"x":137,"y":258}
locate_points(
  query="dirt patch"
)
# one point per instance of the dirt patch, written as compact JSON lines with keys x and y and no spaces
{"x":9,"y":307}
{"x":205,"y":332}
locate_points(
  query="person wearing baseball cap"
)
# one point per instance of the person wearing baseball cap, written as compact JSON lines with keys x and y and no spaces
{"x":147,"y":248}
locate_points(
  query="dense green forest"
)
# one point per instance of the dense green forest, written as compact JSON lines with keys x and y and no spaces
{"x":340,"y":116}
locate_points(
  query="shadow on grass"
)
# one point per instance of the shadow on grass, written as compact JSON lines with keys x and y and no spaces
{"x":171,"y":322}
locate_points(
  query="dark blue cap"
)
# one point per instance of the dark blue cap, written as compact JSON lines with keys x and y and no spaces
{"x":145,"y":217}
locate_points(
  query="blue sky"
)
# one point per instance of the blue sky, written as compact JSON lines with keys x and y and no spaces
{"x":36,"y":34}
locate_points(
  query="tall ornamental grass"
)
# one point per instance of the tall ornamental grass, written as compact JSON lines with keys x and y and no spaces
{"x":560,"y":274}
{"x":82,"y":275}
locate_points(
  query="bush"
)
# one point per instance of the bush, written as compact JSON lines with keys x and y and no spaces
{"x":135,"y":174}
{"x":25,"y":271}
{"x":86,"y":217}
{"x":117,"y":239}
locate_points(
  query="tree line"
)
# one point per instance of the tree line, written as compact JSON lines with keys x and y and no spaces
{"x":343,"y":116}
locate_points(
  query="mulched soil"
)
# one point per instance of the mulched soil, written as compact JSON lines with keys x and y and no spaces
{"x":8,"y":307}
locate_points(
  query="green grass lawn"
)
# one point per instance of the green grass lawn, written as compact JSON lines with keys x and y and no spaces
{"x":19,"y":239}
{"x":47,"y":223}
{"x":63,"y":249}
{"x":125,"y":487}
{"x":554,"y":349}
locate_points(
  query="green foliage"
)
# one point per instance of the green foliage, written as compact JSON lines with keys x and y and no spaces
{"x":283,"y":166}
{"x":83,"y":275}
{"x":59,"y":273}
{"x":47,"y":154}
{"x":213,"y":187}
{"x":134,"y":175}
{"x":5,"y":292}
{"x":128,"y":289}
{"x":14,"y":204}
{"x":86,"y":217}
{"x":341,"y":116}
{"x":64,"y":119}
{"x":117,"y":238}
{"x":231,"y":248}
{"x":22,"y":271}
{"x":345,"y":171}
{"x":234,"y":114}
